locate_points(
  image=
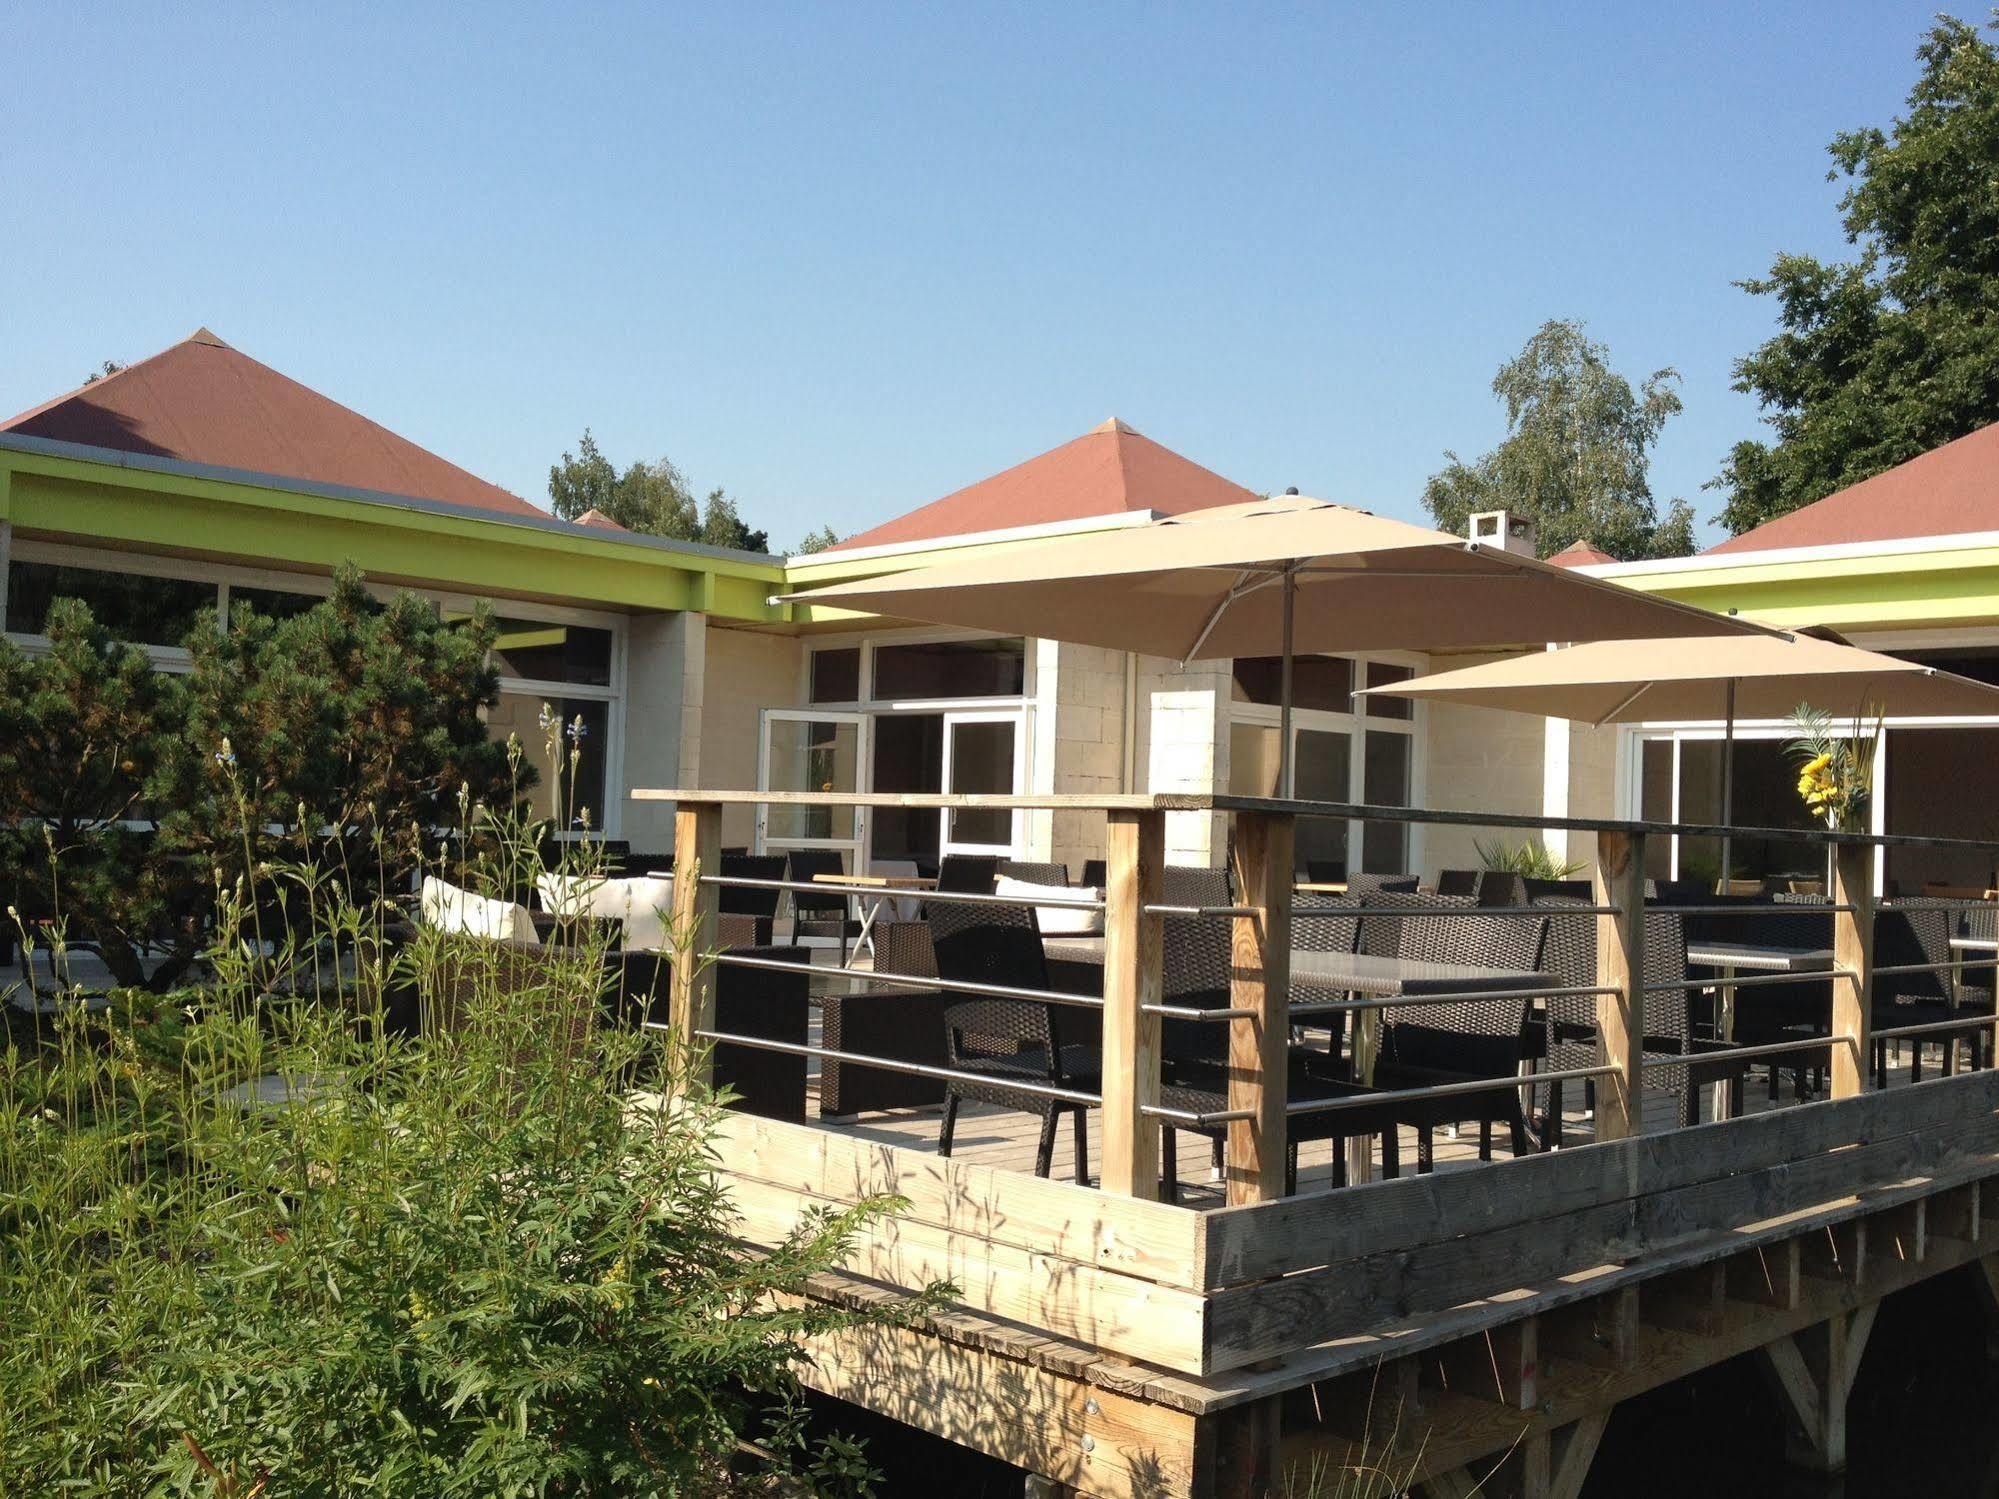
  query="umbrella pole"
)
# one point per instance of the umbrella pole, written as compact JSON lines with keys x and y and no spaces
{"x":1284,"y":767}
{"x":1727,"y":785}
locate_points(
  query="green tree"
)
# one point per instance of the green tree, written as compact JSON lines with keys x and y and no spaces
{"x":111,"y":367}
{"x":722,"y":526}
{"x":652,"y":497}
{"x":364,"y":714}
{"x":1577,"y":452}
{"x":816,"y":541}
{"x":1896,"y":351}
{"x":83,"y":728}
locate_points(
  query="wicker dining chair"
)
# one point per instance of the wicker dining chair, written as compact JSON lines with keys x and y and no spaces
{"x":758,"y":905}
{"x":820,"y":913}
{"x":1458,"y":882}
{"x":1569,"y":956}
{"x":1324,"y":923}
{"x":1459,"y":1040}
{"x":1975,"y":984}
{"x":1197,"y":969}
{"x":1008,"y":1042}
{"x":1915,"y":929}
{"x":967,"y":874}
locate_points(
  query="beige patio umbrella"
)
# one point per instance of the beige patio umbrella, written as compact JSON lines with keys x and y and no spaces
{"x":1272,"y":576}
{"x":1761,"y":676}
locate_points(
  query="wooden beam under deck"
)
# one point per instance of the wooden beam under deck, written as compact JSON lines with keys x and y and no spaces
{"x":1103,"y":1425}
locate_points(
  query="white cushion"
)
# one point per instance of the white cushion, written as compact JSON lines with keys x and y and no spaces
{"x":1056,"y":921}
{"x":644,"y":903}
{"x":450,"y":909}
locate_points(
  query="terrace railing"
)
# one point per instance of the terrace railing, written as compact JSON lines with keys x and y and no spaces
{"x":1259,"y":1014}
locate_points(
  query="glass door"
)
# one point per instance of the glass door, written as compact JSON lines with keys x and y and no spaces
{"x":807,"y":750}
{"x":982,"y":755}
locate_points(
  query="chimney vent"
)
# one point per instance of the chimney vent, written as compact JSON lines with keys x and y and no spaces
{"x":1502,"y":528}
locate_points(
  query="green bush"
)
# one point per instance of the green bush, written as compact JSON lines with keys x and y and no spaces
{"x":1531,"y":859}
{"x":473,"y":1261}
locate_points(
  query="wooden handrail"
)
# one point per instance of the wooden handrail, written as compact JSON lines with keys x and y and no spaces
{"x":1189,"y":801}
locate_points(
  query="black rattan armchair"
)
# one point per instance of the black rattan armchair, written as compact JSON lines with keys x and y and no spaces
{"x":1460,"y":1040}
{"x":1005,"y":1043}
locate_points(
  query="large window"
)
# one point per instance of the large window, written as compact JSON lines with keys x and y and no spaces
{"x":586,"y":728}
{"x":950,"y":669}
{"x":1324,"y":683}
{"x":1679,"y":780}
{"x":544,"y":651}
{"x":927,"y":714}
{"x":143,"y":609}
{"x":569,"y":667}
{"x":564,"y":658}
{"x":836,"y":675}
{"x":1345,"y":749}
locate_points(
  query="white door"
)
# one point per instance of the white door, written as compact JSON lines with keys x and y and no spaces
{"x":809,"y":750}
{"x":984,"y":753}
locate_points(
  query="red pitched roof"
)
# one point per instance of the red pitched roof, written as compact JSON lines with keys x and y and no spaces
{"x":1580,"y":554}
{"x":1108,"y":469}
{"x":1944,"y":492}
{"x":204,"y":402}
{"x":595,"y":517}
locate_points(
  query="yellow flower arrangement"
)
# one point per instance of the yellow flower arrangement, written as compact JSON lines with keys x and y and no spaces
{"x":1836,"y":776}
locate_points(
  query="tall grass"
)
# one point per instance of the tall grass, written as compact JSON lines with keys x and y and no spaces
{"x":378,"y":1210}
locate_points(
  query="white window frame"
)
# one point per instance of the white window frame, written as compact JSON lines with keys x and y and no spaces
{"x":856,"y":846}
{"x":1356,"y":726}
{"x":1022,"y":706}
{"x":953,"y":719}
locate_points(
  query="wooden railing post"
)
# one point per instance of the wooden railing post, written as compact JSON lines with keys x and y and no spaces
{"x":697,"y":851}
{"x":1134,"y":960}
{"x":1853,"y":958}
{"x":1620,"y":968}
{"x":1259,"y":1043}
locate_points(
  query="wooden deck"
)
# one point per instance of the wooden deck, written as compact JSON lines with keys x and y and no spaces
{"x":1433,"y":1323}
{"x":1409,"y":1332}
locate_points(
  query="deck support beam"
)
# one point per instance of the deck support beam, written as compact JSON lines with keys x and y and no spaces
{"x":1259,"y":1043}
{"x":1554,"y":1463}
{"x":1853,"y":957}
{"x":1813,"y":1373}
{"x":1237,"y":1451}
{"x":1983,"y":1275}
{"x":1620,"y":965}
{"x":1134,"y":945}
{"x":697,"y":851}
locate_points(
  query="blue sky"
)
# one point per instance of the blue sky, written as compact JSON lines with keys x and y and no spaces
{"x":845,"y":259}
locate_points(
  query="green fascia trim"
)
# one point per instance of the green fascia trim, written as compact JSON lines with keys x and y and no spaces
{"x":1912,"y":589}
{"x":75,"y":498}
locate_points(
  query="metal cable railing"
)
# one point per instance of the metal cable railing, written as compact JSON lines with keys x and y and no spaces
{"x":1375,"y":1097}
{"x":1723,"y":1054}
